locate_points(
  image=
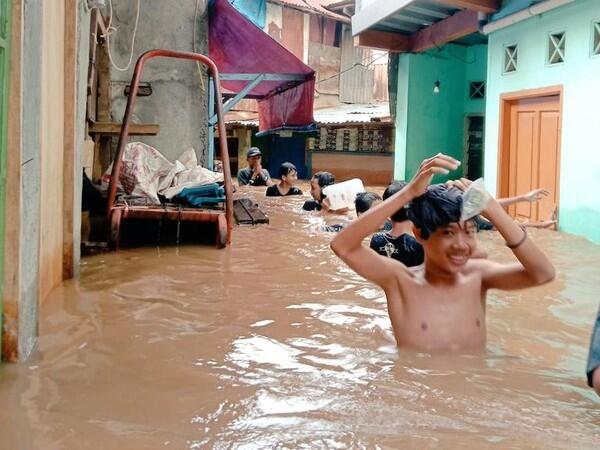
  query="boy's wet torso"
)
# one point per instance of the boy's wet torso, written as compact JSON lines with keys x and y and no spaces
{"x":438,"y":317}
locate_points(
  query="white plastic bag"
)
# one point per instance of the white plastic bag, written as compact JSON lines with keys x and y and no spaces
{"x":475,"y":200}
{"x":342,"y":195}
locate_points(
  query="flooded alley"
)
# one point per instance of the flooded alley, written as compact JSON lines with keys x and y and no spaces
{"x":275,"y":343}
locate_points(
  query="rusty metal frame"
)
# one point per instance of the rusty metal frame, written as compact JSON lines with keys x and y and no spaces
{"x":116,"y":212}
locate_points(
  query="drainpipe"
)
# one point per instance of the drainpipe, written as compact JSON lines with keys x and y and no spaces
{"x":524,"y":14}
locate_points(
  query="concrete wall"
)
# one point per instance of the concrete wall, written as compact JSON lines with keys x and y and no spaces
{"x":29,"y":179}
{"x":179,"y":100}
{"x":579,"y":206}
{"x":428,"y":123}
{"x":38,"y":182}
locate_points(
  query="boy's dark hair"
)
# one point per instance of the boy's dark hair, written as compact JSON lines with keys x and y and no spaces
{"x":438,"y":207}
{"x":396,"y":186}
{"x":324,"y":178}
{"x":286,"y":168}
{"x":364,"y":201}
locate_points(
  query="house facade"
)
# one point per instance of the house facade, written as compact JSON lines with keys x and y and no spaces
{"x":509,"y":87}
{"x":543,"y":91}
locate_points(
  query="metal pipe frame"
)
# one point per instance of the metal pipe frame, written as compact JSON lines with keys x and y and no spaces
{"x":124,"y":134}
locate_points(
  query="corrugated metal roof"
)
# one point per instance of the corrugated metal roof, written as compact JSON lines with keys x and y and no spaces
{"x":421,"y":14}
{"x":353,"y":113}
{"x":416,"y":16}
{"x":312,"y":6}
{"x":350,"y":113}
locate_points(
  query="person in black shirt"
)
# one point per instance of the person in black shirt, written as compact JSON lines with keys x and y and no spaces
{"x":365,"y":201}
{"x":398,"y":243}
{"x":317,"y":183}
{"x":254,"y":174}
{"x":288,"y":174}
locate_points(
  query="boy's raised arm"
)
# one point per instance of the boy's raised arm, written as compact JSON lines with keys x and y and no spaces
{"x":348,"y":244}
{"x":534,"y":267}
{"x":532,"y":196}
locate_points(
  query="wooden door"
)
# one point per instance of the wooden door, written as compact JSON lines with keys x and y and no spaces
{"x":533,"y":153}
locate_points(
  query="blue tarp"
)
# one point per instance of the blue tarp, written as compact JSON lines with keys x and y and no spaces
{"x":208,"y":194}
{"x":254,"y":10}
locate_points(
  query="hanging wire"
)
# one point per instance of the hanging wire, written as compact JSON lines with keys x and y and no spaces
{"x":110,"y":29}
{"x":352,"y":67}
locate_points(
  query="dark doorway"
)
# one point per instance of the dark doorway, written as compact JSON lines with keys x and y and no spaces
{"x":284,"y":149}
{"x":474,"y":147}
{"x":232,"y":147}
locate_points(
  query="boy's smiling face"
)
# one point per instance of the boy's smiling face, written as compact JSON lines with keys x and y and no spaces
{"x":450,"y":246}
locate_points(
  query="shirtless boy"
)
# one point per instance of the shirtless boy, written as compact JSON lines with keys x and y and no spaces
{"x":441,"y":306}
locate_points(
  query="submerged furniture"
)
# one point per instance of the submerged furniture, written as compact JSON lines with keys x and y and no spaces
{"x":221,"y":215}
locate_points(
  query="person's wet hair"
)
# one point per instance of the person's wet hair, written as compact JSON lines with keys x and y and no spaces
{"x":286,"y":168}
{"x":324,"y":179}
{"x":364,"y":201}
{"x":394,"y":187}
{"x":438,"y":207}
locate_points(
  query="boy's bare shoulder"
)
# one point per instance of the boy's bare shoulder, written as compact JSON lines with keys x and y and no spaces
{"x":410,"y":275}
{"x":479,"y":265}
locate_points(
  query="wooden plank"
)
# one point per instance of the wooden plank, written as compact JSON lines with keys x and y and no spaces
{"x":247,"y":212}
{"x":92,"y":83}
{"x":383,"y":40}
{"x":103,"y":77}
{"x":316,"y":29}
{"x":71,"y":156}
{"x":114,"y":128}
{"x":292,"y":31}
{"x":484,"y":6}
{"x":454,"y":27}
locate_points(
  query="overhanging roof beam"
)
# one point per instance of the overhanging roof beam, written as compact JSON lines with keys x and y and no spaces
{"x":240,"y":95}
{"x":440,"y":33}
{"x":267,"y":76}
{"x":384,"y":40}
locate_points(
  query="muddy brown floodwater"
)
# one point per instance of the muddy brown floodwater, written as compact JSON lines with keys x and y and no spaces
{"x":275,"y":343}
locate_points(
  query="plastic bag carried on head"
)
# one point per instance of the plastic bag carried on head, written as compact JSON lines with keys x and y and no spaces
{"x":438,"y":207}
{"x":475,"y":200}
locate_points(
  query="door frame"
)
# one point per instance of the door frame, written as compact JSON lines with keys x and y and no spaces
{"x":507,"y":100}
{"x":4,"y":96}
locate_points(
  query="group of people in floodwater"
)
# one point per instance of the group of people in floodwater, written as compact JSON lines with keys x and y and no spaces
{"x":424,"y":254}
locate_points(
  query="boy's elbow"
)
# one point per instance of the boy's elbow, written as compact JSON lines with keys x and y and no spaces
{"x":336,"y":247}
{"x":546,"y":276}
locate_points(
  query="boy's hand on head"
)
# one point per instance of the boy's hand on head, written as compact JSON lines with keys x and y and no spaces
{"x":438,"y":164}
{"x":535,"y":195}
{"x":462,"y":184}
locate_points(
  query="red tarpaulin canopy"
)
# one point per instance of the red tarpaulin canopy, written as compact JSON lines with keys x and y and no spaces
{"x":255,"y":65}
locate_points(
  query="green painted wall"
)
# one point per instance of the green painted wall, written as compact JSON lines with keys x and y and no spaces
{"x":428,"y":123}
{"x":580,"y":77}
{"x":4,"y":60}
